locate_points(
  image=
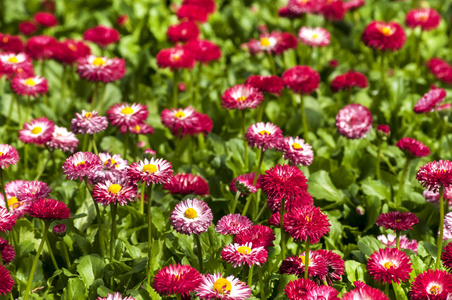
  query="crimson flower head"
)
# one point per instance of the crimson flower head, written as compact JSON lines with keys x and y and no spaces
{"x":6,"y":281}
{"x":38,"y":131}
{"x":69,"y":51}
{"x":323,"y":292}
{"x":430,"y":101}
{"x":275,"y":42}
{"x":7,"y":251}
{"x":29,"y":86}
{"x":186,"y":121}
{"x":208,"y":5}
{"x":384,"y":36}
{"x":349,"y":80}
{"x":383,"y":130}
{"x":93,"y":68}
{"x":301,"y":79}
{"x":269,"y":84}
{"x":241,"y":254}
{"x":45,"y":19}
{"x":233,"y":224}
{"x":413,"y":148}
{"x":354,"y":121}
{"x":41,"y":47}
{"x":318,"y":268}
{"x":11,"y":43}
{"x":298,"y":289}
{"x":263,"y":136}
{"x":363,"y":291}
{"x":354,"y":4}
{"x":259,"y":235}
{"x":101,"y":35}
{"x":176,"y":279}
{"x":306,"y":222}
{"x":117,"y":191}
{"x":426,"y":18}
{"x":440,"y":69}
{"x":389,"y":265}
{"x":241,"y":96}
{"x":192,"y":12}
{"x":297,"y":151}
{"x":124,"y":115}
{"x":284,"y":12}
{"x":16,"y":64}
{"x":432,"y":284}
{"x":175,"y":58}
{"x":335,"y":264}
{"x":82,"y":164}
{"x":333,"y":10}
{"x":245,"y":184}
{"x":183,"y":32}
{"x":153,"y":171}
{"x":435,"y":174}
{"x":203,"y":51}
{"x":446,"y":256}
{"x":27,"y":27}
{"x":49,"y":209}
{"x":186,"y":184}
{"x":122,"y":20}
{"x":397,"y":221}
{"x":191,"y":216}
{"x":315,"y":37}
{"x":8,"y":156}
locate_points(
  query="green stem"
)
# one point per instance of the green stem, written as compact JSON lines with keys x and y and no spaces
{"x":179,"y":296}
{"x":63,"y":83}
{"x":250,"y":276}
{"x":43,"y":68}
{"x":398,"y":239}
{"x":52,"y":257}
{"x":198,"y":243}
{"x":387,"y":289}
{"x":65,"y":253}
{"x":175,"y":82}
{"x":102,"y":98}
{"x":439,"y":243}
{"x":27,"y":110}
{"x":261,"y":284}
{"x":11,"y":105}
{"x":402,"y":182}
{"x":18,"y":111}
{"x":2,"y":183}
{"x":382,"y":68}
{"x":245,"y":144}
{"x":417,"y":60}
{"x":143,"y":186}
{"x":281,"y":225}
{"x":234,"y":204}
{"x":260,"y":213}
{"x":93,"y":142}
{"x":307,"y":245}
{"x":272,"y":64}
{"x":378,"y":160}
{"x":260,"y":111}
{"x":126,"y":143}
{"x":113,"y":208}
{"x":35,"y":262}
{"x":72,"y":80}
{"x":94,"y":99}
{"x":26,"y":160}
{"x":45,"y":164}
{"x":303,"y":119}
{"x":196,"y":83}
{"x":149,"y":215}
{"x":100,"y":222}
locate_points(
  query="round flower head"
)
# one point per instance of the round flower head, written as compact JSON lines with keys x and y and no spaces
{"x":354,"y":121}
{"x":81,"y":164}
{"x":203,"y":51}
{"x":186,"y":184}
{"x":300,"y":7}
{"x":119,"y":191}
{"x":183,"y":32}
{"x":11,"y":43}
{"x":140,"y":128}
{"x":295,"y":265}
{"x":412,"y":147}
{"x":426,"y":18}
{"x":315,"y":37}
{"x":59,"y":230}
{"x":63,"y":139}
{"x":404,"y":242}
{"x":94,"y":68}
{"x":301,"y":79}
{"x":430,"y":101}
{"x":298,"y":289}
{"x":88,"y":123}
{"x":384,"y":36}
{"x":176,"y":279}
{"x":45,"y":19}
{"x":6,"y":281}
{"x":7,"y":252}
{"x":7,"y":220}
{"x":306,"y":222}
{"x":389,"y":265}
{"x":397,"y":221}
{"x":233,"y":224}
{"x":322,"y":293}
{"x":258,"y":235}
{"x":269,"y":84}
{"x":297,"y":151}
{"x":365,"y":292}
{"x":275,"y":42}
{"x":349,"y":80}
{"x":333,"y":10}
{"x":275,"y":219}
{"x":241,"y":254}
{"x":16,"y":64}
{"x":113,"y":167}
{"x":8,"y":156}
{"x":38,"y":131}
{"x":101,"y":35}
{"x":208,"y":5}
{"x":284,"y":12}
{"x":354,"y":4}
{"x":335,"y":264}
{"x":446,"y":256}
{"x":217,"y":287}
{"x":263,"y":136}
{"x":16,"y":207}
{"x":153,"y":171}
{"x":383,"y":130}
{"x":432,"y":285}
{"x":30,"y":191}
{"x":29,"y":86}
{"x":186,"y":121}
{"x":115,"y":296}
{"x":192,"y":12}
{"x":49,"y":209}
{"x":440,"y":69}
{"x":191,"y":217}
{"x":245,"y":184}
{"x":175,"y":58}
{"x":27,"y":27}
{"x":41,"y":47}
{"x":241,"y":96}
{"x":433,"y":197}
{"x":124,"y":115}
{"x":435,"y":174}
{"x":69,"y":51}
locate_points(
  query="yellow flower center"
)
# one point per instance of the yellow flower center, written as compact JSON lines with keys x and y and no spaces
{"x":315,"y":35}
{"x":307,"y":218}
{"x":99,"y":61}
{"x":176,"y":276}
{"x":179,"y":114}
{"x":244,"y":250}
{"x":1,"y":153}
{"x":241,"y":98}
{"x":14,"y":202}
{"x":5,"y":39}
{"x":114,"y":188}
{"x":264,"y":132}
{"x":72,"y":47}
{"x":191,"y":213}
{"x":176,"y":57}
{"x":13,"y":59}
{"x":81,"y":163}
{"x":111,"y":162}
{"x":149,"y":168}
{"x":435,"y":290}
{"x":222,"y":286}
{"x":297,"y":146}
{"x":36,"y":130}
{"x":137,"y":128}
{"x":30,"y":82}
{"x":389,"y":265}
{"x":88,"y":115}
{"x":386,"y":30}
{"x":127,"y":110}
{"x":265,"y":42}
{"x":303,"y":259}
{"x":422,"y":17}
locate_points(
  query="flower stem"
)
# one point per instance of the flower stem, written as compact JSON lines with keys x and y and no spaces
{"x":45,"y":164}
{"x":245,"y":144}
{"x":281,"y":225}
{"x":18,"y":111}
{"x":439,"y":243}
{"x":307,"y":244}
{"x":387,"y":289}
{"x":102,"y":98}
{"x":272,"y":64}
{"x":65,"y":253}
{"x":94,"y":99}
{"x":149,"y":215}
{"x":143,"y":186}
{"x":261,"y":284}
{"x":198,"y":243}
{"x":52,"y":257}
{"x":35,"y":262}
{"x":260,"y":154}
{"x":250,"y":276}
{"x":175,"y":82}
{"x":11,"y":105}
{"x":2,"y":183}
{"x":63,"y":82}
{"x":234,"y":204}
{"x":402,"y":181}
{"x":398,"y":239}
{"x":126,"y":143}
{"x":93,"y":142}
{"x":378,"y":173}
{"x":382,"y":68}
{"x":304,"y":120}
{"x":113,"y":211}
{"x":100,"y":222}
{"x":196,"y":83}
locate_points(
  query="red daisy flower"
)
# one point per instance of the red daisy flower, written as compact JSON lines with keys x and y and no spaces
{"x":153,"y":171}
{"x":33,"y":190}
{"x":186,"y":184}
{"x":6,"y":281}
{"x":354,"y":4}
{"x":384,"y":36}
{"x":38,"y":131}
{"x":284,"y":12}
{"x":59,"y":230}
{"x":383,"y":130}
{"x":430,"y":101}
{"x":322,"y":293}
{"x":103,"y":69}
{"x":217,"y":287}
{"x":275,"y":219}
{"x":275,"y":42}
{"x":16,"y":64}
{"x":301,"y":79}
{"x":7,"y":252}
{"x":306,"y":222}
{"x":446,"y":256}
{"x":333,"y":10}
{"x":69,"y":51}
{"x":354,"y":121}
{"x":241,"y":96}
{"x":183,"y":32}
{"x":245,"y":184}
{"x":11,"y":43}
{"x":300,"y":7}
{"x":259,"y":235}
{"x":41,"y":47}
{"x":175,"y":58}
{"x":176,"y":279}
{"x":27,"y":27}
{"x":263,"y":136}
{"x":349,"y":80}
{"x":298,"y":289}
{"x":432,"y":285}
{"x":8,"y":156}
{"x":191,"y":216}
{"x":315,"y":37}
{"x":233,"y":224}
{"x":117,"y":191}
{"x":389,"y":265}
{"x":435,"y":174}
{"x":82,"y":164}
{"x":186,"y":121}
{"x":440,"y":69}
{"x":318,"y":267}
{"x":124,"y":115}
{"x":88,"y":123}
{"x":101,"y":35}
{"x":241,"y":254}
{"x":365,"y":292}
{"x":113,"y":168}
{"x":192,"y":12}
{"x":270,"y":84}
{"x":297,"y":151}
{"x":45,"y":19}
{"x":115,"y":296}
{"x":203,"y":51}
{"x":7,"y":220}
{"x":141,"y":128}
{"x":335,"y":263}
{"x":397,"y":220}
{"x":426,"y":18}
{"x":302,"y":199}
{"x":30,"y":86}
{"x":122,"y":20}
{"x":49,"y":209}
{"x":63,"y":139}
{"x":413,"y":148}
{"x":208,"y":5}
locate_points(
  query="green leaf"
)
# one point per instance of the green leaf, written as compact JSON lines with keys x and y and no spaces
{"x":350,"y":268}
{"x":90,"y":268}
{"x":376,"y":188}
{"x":321,"y":187}
{"x":343,"y":177}
{"x":75,"y":290}
{"x":399,"y":292}
{"x":369,"y":244}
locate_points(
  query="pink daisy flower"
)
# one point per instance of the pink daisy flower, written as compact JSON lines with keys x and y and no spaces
{"x":82,"y":164}
{"x":16,"y":207}
{"x":30,"y":191}
{"x":8,"y":156}
{"x":88,"y":123}
{"x":7,"y":220}
{"x":11,"y":43}
{"x":297,"y":151}
{"x":295,"y":265}
{"x":124,"y":115}
{"x":432,"y":284}
{"x":354,"y":121}
{"x":153,"y":171}
{"x":300,"y":7}
{"x":63,"y":139}
{"x":29,"y":86}
{"x":217,"y":287}
{"x":440,"y":69}
{"x":192,"y":12}
{"x":383,"y":130}
{"x":333,"y":10}
{"x":176,"y":279}
{"x":119,"y":191}
{"x":430,"y":101}
{"x":115,"y":296}
{"x":186,"y":121}
{"x":41,"y":47}
{"x":404,"y":243}
{"x":233,"y":224}
{"x":397,"y":221}
{"x":389,"y":265}
{"x":141,"y":128}
{"x":49,"y":209}
{"x":241,"y":254}
{"x":59,"y":230}
{"x":38,"y":131}
{"x":269,"y":84}
{"x":447,"y":232}
{"x":322,"y":293}
{"x":175,"y":58}
{"x":16,"y":64}
{"x":6,"y":281}
{"x":203,"y":51}
{"x":413,"y":148}
{"x":7,"y":252}
{"x":113,"y":167}
{"x":275,"y":42}
{"x":259,"y":235}
{"x":241,"y":96}
{"x":349,"y":80}
{"x":298,"y":289}
{"x":315,"y":37}
{"x":101,"y":35}
{"x":426,"y":18}
{"x":45,"y":19}
{"x":103,"y":69}
{"x":27,"y":27}
{"x":69,"y":51}
{"x":301,"y":79}
{"x":384,"y":36}
{"x":263,"y":136}
{"x":306,"y":222}
{"x":365,"y":292}
{"x":191,"y":216}
{"x":186,"y":184}
{"x":435,"y":174}
{"x":335,"y":263}
{"x":245,"y":184}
